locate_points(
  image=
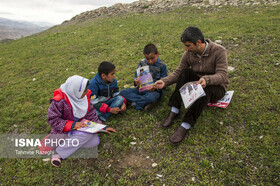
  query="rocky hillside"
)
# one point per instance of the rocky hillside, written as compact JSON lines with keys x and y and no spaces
{"x":157,"y":6}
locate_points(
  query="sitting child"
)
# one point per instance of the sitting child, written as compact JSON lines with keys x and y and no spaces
{"x":70,"y":105}
{"x":144,"y":99}
{"x":106,"y":98}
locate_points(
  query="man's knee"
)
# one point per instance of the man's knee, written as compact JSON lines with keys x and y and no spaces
{"x":214,"y":92}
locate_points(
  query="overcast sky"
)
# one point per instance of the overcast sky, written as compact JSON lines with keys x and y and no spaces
{"x":52,"y":11}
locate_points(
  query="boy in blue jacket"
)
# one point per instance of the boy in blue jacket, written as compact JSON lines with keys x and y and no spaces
{"x":144,"y":99}
{"x":106,"y":98}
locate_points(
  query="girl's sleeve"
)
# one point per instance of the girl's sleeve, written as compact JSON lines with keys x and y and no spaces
{"x":55,"y":118}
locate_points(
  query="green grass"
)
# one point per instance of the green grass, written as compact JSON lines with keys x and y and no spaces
{"x":234,"y":146}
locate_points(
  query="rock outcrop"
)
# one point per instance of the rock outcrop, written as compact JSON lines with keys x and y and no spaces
{"x":156,"y":6}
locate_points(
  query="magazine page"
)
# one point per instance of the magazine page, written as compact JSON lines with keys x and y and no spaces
{"x":142,"y":70}
{"x":145,"y":77}
{"x":92,"y":126}
{"x":224,"y":102}
{"x":190,"y":92}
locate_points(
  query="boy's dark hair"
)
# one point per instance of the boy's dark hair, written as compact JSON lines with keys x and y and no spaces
{"x":150,"y":48}
{"x":105,"y":67}
{"x":192,"y":34}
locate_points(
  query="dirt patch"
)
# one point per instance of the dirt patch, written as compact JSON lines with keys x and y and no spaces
{"x":136,"y":163}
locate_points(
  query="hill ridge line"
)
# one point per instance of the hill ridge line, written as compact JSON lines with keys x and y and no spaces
{"x":157,"y":6}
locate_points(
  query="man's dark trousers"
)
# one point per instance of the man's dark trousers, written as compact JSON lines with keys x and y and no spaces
{"x":213,"y":93}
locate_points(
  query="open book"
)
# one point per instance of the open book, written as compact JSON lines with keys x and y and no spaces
{"x":190,"y":92}
{"x":92,"y":126}
{"x":144,"y":75}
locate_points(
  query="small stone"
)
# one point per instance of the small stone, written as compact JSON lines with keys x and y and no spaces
{"x":231,"y":69}
{"x":34,"y":79}
{"x":261,"y":137}
{"x":133,"y":143}
{"x":66,"y":69}
{"x":121,"y":25}
{"x":154,"y":165}
{"x":15,"y":125}
{"x":221,"y":123}
{"x":46,"y":159}
{"x":277,"y":64}
{"x":234,"y":38}
{"x":193,"y":178}
{"x":218,"y":41}
{"x":92,"y":72}
{"x":159,"y":175}
{"x":147,"y":157}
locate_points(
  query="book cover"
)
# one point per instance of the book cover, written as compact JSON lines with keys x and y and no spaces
{"x":224,"y":102}
{"x":144,"y":75}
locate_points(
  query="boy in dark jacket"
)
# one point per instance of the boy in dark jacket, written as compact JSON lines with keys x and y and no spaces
{"x":145,"y":99}
{"x":106,"y":98}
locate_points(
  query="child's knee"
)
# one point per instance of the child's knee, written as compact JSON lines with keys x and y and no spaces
{"x":153,"y":97}
{"x":96,"y":140}
{"x":119,"y":100}
{"x":125,"y":91}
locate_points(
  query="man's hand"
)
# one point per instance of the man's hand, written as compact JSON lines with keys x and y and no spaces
{"x":137,"y":82}
{"x":159,"y":84}
{"x":115,"y":110}
{"x":202,"y":81}
{"x":151,"y":88}
{"x":123,"y":108}
{"x":79,"y":125}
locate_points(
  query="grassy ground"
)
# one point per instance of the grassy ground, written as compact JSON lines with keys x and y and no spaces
{"x":237,"y":145}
